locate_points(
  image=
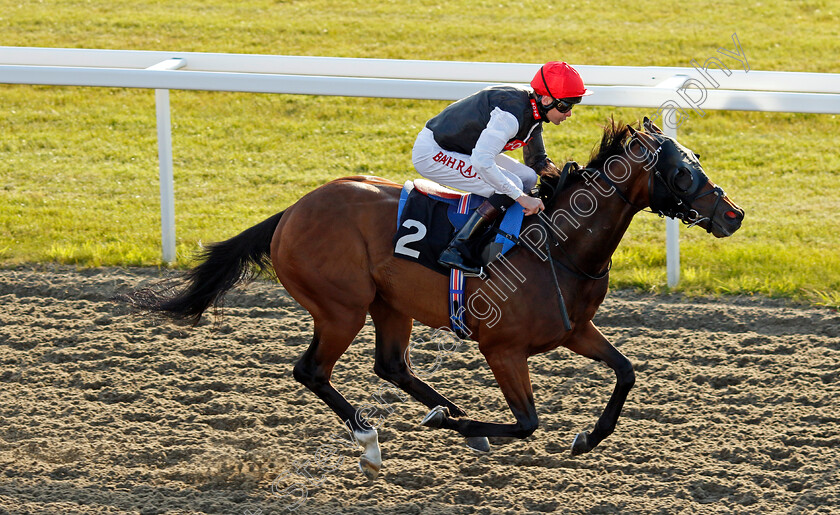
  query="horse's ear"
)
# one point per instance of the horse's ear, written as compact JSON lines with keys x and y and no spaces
{"x":655,"y":128}
{"x":651,"y":127}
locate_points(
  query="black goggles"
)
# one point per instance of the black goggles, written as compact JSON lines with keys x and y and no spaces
{"x":564,"y":105}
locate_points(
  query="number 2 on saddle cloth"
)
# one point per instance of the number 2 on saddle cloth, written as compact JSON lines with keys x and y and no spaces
{"x":427,"y":218}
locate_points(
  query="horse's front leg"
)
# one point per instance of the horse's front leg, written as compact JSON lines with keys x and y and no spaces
{"x":511,"y":372}
{"x":591,"y":343}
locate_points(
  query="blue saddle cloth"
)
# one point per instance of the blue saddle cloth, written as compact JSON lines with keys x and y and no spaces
{"x":428,"y":217}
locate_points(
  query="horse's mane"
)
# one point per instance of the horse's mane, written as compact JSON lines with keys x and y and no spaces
{"x":612,"y":143}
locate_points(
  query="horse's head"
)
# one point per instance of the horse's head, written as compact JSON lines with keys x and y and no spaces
{"x":678,"y":187}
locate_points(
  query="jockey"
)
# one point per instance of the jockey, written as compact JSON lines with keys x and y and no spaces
{"x":462,"y":147}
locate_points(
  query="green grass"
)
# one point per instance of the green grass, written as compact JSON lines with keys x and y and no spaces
{"x":78,"y":166}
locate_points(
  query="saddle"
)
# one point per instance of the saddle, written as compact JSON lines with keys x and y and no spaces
{"x":430,"y":214}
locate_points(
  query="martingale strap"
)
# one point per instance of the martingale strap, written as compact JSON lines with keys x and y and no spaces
{"x":456,"y":286}
{"x":456,"y":303}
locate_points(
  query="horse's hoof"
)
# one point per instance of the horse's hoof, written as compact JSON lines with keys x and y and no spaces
{"x":581,"y":444}
{"x":368,"y":468}
{"x":435,"y":417}
{"x":478,"y":443}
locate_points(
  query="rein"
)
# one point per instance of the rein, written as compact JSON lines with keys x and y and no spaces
{"x":576,"y":271}
{"x":563,"y":312}
{"x":571,"y":267}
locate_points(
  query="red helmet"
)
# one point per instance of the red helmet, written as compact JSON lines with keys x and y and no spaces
{"x":559,"y":80}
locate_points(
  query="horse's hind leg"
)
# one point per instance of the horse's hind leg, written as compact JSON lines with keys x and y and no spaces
{"x":511,"y":372}
{"x":393,"y":331}
{"x":333,"y":335}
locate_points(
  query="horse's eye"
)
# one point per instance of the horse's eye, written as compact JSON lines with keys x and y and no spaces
{"x":683,"y":178}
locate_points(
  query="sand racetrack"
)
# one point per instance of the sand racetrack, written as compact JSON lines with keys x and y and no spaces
{"x":736,"y":409}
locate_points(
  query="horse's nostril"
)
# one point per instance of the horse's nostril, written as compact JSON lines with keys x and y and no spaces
{"x":731,"y":215}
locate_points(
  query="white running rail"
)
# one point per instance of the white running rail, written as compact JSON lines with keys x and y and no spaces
{"x":675,"y":93}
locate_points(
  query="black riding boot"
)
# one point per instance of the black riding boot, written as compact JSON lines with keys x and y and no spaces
{"x":489,"y":210}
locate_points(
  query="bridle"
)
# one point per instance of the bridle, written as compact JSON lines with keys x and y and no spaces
{"x":667,"y":197}
{"x":666,"y":193}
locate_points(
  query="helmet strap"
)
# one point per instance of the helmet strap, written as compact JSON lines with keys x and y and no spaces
{"x":542,"y":108}
{"x":545,"y":83}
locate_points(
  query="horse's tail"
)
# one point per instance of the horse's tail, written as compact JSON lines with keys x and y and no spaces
{"x":224,"y":265}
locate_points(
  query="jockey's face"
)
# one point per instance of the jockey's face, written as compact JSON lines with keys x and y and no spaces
{"x":554,"y":115}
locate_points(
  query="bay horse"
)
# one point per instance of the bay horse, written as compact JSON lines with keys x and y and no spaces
{"x":332,"y":250}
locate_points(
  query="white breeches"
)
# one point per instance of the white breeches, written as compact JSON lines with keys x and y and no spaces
{"x":455,"y":170}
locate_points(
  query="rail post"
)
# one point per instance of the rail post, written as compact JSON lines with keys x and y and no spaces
{"x":672,"y":225}
{"x":167,"y":181}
